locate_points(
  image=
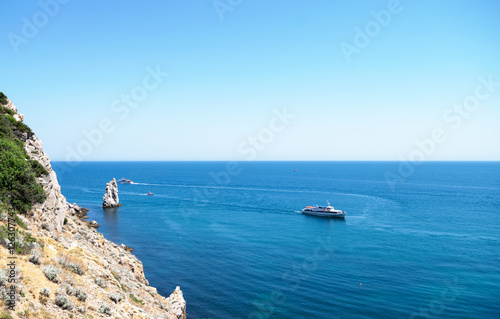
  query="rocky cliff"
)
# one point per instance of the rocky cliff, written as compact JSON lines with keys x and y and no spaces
{"x":110,"y":198}
{"x":69,"y":270}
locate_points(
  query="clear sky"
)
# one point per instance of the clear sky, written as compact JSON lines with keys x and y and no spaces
{"x":359,"y":80}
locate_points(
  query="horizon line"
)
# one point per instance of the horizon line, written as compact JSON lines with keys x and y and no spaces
{"x":243,"y":161}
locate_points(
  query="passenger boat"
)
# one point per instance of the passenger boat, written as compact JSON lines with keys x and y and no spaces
{"x":324,"y":211}
{"x":125,"y":181}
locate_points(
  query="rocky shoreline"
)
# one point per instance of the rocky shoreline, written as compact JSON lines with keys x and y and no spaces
{"x":92,"y":276}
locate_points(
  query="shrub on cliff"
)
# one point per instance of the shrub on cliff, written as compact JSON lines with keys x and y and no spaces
{"x":23,"y":243}
{"x":63,"y":302}
{"x":3,"y":99}
{"x":80,"y":294}
{"x":68,"y":288}
{"x":135,"y":299}
{"x":51,"y":273}
{"x":6,"y":315}
{"x":6,"y":110}
{"x":38,"y":168}
{"x":105,"y":309}
{"x":35,"y":258}
{"x":45,"y":292}
{"x":18,"y":124}
{"x":71,"y":264}
{"x":18,"y":185}
{"x":100,"y":282}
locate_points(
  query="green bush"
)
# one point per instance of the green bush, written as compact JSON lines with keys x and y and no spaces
{"x":135,"y":299}
{"x":6,"y":110}
{"x":38,"y":168}
{"x":3,"y":99}
{"x":5,"y":315}
{"x":20,"y":222}
{"x":18,"y":124}
{"x":18,"y":185}
{"x":23,"y":243}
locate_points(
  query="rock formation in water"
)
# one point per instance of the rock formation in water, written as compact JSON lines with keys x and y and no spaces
{"x":66,"y":269}
{"x":110,"y":198}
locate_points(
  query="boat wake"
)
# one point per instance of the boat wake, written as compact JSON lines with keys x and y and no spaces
{"x":255,"y":189}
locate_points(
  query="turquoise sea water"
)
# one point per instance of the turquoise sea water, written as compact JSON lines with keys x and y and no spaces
{"x":428,"y":247}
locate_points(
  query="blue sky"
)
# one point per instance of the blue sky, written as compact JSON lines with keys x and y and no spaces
{"x":231,"y":71}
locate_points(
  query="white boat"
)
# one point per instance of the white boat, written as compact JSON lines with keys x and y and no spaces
{"x":125,"y":181}
{"x":150,"y":194}
{"x":324,"y":211}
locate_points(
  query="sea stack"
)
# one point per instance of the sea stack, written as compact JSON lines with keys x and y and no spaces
{"x":110,"y":198}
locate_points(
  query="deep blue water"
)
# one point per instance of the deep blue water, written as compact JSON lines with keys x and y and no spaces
{"x":429,"y":247}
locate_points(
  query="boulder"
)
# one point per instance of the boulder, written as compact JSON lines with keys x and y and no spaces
{"x":19,"y":117}
{"x":110,"y":198}
{"x":126,"y":248}
{"x":78,"y":211}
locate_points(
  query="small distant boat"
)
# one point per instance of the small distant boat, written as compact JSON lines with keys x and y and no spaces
{"x":324,"y":211}
{"x":150,"y":194}
{"x":125,"y":181}
{"x":295,"y":170}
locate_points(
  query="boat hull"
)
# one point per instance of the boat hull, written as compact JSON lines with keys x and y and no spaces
{"x":321,"y":214}
{"x":125,"y":183}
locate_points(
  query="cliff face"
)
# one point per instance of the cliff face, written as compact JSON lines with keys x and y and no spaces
{"x":73,"y":271}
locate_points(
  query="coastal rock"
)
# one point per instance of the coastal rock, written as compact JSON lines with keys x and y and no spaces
{"x":94,"y":224}
{"x":78,"y":211}
{"x":110,"y":198}
{"x":11,"y":106}
{"x":125,"y":247}
{"x":19,"y":117}
{"x":86,"y":267}
{"x":178,"y":304}
{"x":55,"y":207}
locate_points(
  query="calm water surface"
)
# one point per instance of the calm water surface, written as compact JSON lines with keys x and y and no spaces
{"x":426,"y":248}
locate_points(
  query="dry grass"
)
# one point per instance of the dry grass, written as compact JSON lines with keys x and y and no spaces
{"x":72,"y":263}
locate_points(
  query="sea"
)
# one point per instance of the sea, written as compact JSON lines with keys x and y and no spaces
{"x":418,"y":241}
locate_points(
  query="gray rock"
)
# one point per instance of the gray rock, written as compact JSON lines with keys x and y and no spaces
{"x":110,"y":198}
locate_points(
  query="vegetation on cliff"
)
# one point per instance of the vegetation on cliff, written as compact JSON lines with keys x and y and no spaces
{"x":3,"y":99}
{"x":64,"y":268}
{"x":18,"y":186}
